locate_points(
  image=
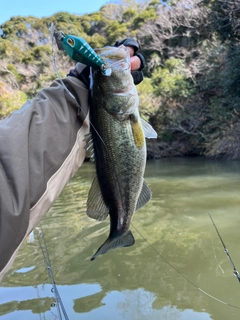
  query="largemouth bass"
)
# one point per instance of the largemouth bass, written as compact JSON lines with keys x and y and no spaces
{"x":117,"y":145}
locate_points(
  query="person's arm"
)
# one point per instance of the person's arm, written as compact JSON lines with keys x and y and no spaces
{"x":137,"y":60}
{"x":41,"y":148}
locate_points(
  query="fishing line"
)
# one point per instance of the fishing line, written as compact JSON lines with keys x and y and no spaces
{"x":51,"y":29}
{"x":58,"y":301}
{"x":109,"y":65}
{"x":38,"y":296}
{"x":181,"y":274}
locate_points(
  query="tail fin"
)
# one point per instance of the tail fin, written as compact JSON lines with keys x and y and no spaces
{"x":126,"y":240}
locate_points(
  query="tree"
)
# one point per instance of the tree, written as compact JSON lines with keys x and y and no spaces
{"x":226,"y":19}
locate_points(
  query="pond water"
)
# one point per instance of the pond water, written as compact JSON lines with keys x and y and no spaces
{"x":175,"y":267}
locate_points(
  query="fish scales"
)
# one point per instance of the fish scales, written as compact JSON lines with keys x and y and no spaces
{"x":120,"y":164}
{"x":119,"y":149}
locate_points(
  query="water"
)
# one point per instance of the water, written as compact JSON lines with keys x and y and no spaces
{"x":139,"y":282}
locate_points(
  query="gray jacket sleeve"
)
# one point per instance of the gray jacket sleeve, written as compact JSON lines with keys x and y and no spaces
{"x":41,"y":148}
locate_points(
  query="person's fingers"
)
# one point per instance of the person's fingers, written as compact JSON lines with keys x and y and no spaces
{"x":135,"y":62}
{"x":131,"y":51}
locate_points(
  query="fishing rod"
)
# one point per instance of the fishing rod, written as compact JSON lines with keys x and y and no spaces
{"x":58,"y":301}
{"x":235,"y":272}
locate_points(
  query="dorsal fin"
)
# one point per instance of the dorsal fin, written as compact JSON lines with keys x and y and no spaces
{"x":144,"y":197}
{"x":96,"y":207}
{"x":148,"y":130}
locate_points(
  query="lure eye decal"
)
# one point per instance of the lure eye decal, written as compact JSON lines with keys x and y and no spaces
{"x":71,"y":42}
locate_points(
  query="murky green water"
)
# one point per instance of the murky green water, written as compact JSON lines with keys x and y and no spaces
{"x":136,"y":282}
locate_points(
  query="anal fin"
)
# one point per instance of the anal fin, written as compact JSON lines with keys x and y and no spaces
{"x":144,"y":196}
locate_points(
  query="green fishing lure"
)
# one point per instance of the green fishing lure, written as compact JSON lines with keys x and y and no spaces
{"x":79,"y":50}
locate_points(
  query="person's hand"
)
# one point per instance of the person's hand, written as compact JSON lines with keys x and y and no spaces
{"x":137,"y":63}
{"x":137,"y":59}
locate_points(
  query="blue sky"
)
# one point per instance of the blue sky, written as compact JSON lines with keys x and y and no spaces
{"x":46,"y":8}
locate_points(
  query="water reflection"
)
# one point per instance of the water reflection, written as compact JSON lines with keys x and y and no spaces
{"x":135,"y":282}
{"x":128,"y":304}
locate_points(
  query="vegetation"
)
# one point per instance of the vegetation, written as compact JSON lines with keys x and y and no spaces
{"x":191,"y":91}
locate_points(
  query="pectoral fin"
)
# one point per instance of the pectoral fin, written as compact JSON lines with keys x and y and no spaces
{"x":144,"y":197}
{"x":96,"y":207}
{"x":126,"y":240}
{"x":148,"y":130}
{"x":89,"y":147}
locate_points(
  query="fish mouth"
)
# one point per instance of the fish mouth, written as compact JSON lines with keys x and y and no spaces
{"x":126,"y":239}
{"x":113,"y":53}
{"x":118,"y":57}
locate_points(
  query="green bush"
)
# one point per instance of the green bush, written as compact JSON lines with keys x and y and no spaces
{"x":171,"y":80}
{"x":10,"y":101}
